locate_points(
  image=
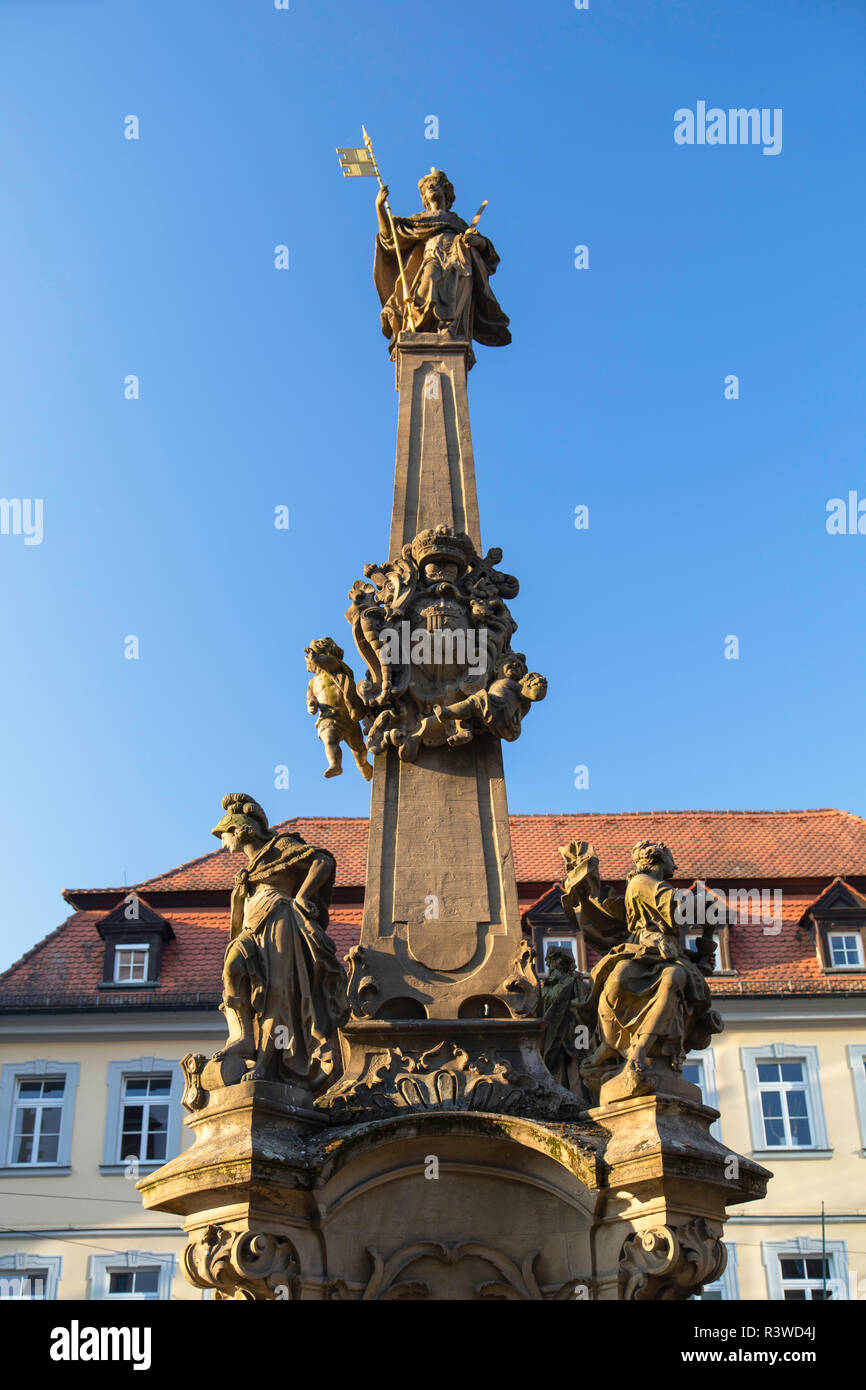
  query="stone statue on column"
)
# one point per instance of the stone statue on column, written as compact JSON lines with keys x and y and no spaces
{"x":447,"y":265}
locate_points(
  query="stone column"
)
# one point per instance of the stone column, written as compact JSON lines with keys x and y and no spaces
{"x":441,"y":938}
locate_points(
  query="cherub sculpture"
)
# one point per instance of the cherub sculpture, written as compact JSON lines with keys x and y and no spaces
{"x":500,"y":708}
{"x":332,"y":698}
{"x":650,"y":1003}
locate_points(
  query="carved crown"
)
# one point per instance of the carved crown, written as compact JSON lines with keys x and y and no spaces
{"x":442,"y":544}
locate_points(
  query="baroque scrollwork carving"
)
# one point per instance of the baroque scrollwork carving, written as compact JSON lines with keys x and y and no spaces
{"x":243,"y":1265}
{"x":513,"y":1282}
{"x":671,"y":1263}
{"x":435,"y":632}
{"x":362,"y":988}
{"x":520,"y":987}
{"x":444,"y":1076}
{"x":194,"y":1093}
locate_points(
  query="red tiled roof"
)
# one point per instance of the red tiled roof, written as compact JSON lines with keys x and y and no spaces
{"x":69,"y":962}
{"x":737,"y":847}
{"x":732,"y":845}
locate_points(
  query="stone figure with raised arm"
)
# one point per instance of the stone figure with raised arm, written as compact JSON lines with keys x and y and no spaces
{"x":649,"y":1003}
{"x":447,"y":264}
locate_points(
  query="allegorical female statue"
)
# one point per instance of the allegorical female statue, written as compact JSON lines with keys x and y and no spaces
{"x":447,"y":265}
{"x":650,"y":1002}
{"x":284,"y":991}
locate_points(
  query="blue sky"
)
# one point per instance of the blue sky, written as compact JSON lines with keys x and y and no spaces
{"x":262,"y":387}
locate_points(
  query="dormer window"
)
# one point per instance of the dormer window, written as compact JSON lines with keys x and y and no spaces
{"x":135,"y":937}
{"x":130,"y":963}
{"x":547,"y":925}
{"x":839,"y":920}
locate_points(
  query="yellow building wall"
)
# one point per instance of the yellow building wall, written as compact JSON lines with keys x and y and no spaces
{"x":86,"y":1199}
{"x":799,"y":1184}
{"x":97,"y":1204}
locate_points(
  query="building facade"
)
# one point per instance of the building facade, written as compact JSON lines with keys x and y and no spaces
{"x":95,"y":1018}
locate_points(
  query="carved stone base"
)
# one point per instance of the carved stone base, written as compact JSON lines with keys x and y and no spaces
{"x":444,"y":1203}
{"x":492,"y":1065}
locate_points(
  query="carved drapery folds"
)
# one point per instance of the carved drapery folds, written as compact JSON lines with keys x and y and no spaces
{"x":435,"y":632}
{"x":671,"y":1262}
{"x":284,"y":990}
{"x":243,"y":1265}
{"x":649,"y":1003}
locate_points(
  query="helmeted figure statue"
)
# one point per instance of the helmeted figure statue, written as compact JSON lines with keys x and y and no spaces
{"x":284,"y":991}
{"x":447,"y":266}
{"x":650,"y":1002}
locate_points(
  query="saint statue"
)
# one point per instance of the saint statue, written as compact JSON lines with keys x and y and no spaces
{"x":284,"y":991}
{"x":649,"y":1002}
{"x":447,"y":266}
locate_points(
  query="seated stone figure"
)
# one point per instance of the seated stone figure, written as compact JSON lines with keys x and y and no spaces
{"x":284,"y":991}
{"x":649,"y":1002}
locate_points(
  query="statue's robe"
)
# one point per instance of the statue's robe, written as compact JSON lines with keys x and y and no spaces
{"x":295,"y":979}
{"x":646,"y":988}
{"x":448,"y":276}
{"x":557,"y":1004}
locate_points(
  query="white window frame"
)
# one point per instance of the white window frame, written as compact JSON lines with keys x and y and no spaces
{"x":857,"y":1063}
{"x":706,"y":1058}
{"x":132,"y":946}
{"x":140,"y":1066}
{"x":727,"y":1283}
{"x":11,"y":1074}
{"x":857,"y":935}
{"x":16,"y":1263}
{"x":799,"y":1247}
{"x":100,"y":1266}
{"x":790,"y":1052}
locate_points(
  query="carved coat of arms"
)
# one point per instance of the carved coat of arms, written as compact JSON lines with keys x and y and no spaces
{"x":434,"y":629}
